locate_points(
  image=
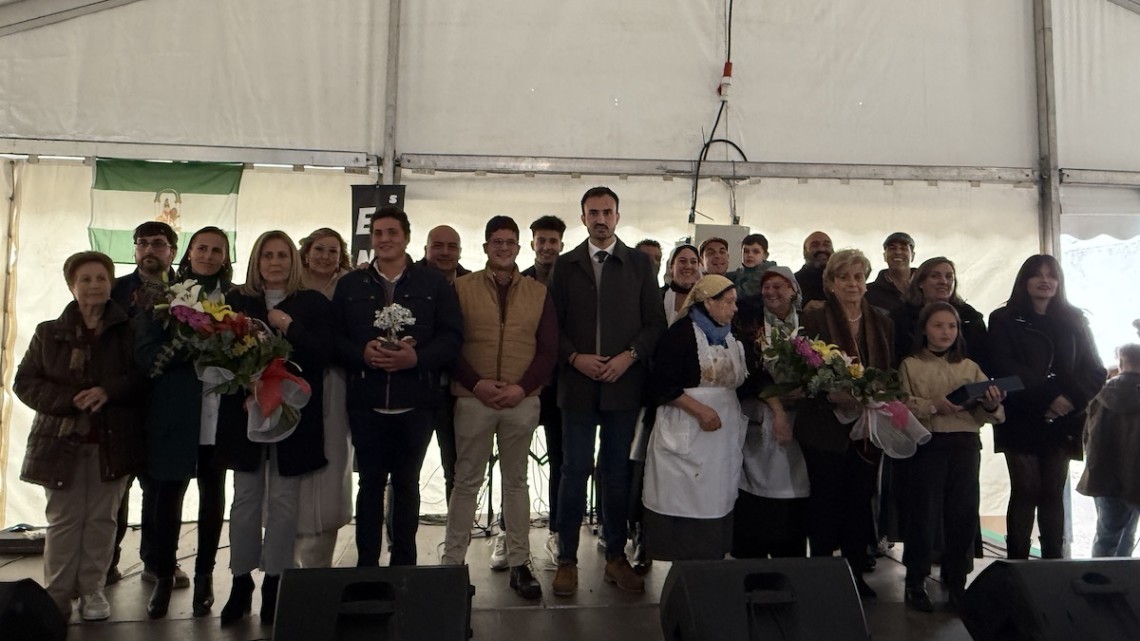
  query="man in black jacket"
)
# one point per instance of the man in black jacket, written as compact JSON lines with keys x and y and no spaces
{"x":155,"y":246}
{"x":392,"y":384}
{"x":609,"y":319}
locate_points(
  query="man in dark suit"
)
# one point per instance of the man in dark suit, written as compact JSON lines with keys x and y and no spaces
{"x":609,"y":318}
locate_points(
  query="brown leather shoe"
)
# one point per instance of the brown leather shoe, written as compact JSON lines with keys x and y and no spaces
{"x":565,"y":580}
{"x":619,"y":572}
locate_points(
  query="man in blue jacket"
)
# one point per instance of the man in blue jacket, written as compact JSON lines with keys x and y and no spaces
{"x":391,"y":384}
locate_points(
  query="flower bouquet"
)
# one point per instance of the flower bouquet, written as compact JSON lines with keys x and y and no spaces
{"x":393,"y":319}
{"x":232,"y":352}
{"x":821,"y":368}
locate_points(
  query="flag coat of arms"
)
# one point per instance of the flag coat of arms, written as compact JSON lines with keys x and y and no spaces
{"x":185,"y":195}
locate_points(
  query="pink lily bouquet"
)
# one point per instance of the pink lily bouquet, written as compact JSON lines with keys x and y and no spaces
{"x":819,"y":368}
{"x":233,"y":352}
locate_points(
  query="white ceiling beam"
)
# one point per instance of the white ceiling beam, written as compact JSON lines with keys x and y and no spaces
{"x":147,"y":151}
{"x":23,"y":15}
{"x":709,"y":169}
{"x":1100,"y":177}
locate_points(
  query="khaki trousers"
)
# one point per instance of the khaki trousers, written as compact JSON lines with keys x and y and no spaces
{"x":80,"y":537}
{"x":477,"y":427}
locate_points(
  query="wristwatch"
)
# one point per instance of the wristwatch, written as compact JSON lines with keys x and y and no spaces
{"x":633,"y":353}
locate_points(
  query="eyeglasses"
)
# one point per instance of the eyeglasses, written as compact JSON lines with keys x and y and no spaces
{"x":156,"y":245}
{"x":503,"y":243}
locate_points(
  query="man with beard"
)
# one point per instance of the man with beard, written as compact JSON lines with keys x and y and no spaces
{"x":817,"y":249}
{"x":546,"y":241}
{"x":155,"y":246}
{"x":887,"y":292}
{"x":609,"y":316}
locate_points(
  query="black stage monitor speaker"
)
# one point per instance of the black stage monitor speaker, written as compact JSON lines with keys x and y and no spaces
{"x":770,"y":599}
{"x":378,"y":604}
{"x":27,"y":612}
{"x":1094,"y":600}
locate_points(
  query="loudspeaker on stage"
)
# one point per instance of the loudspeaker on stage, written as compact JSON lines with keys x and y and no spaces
{"x":1088,"y":600}
{"x":378,"y":604}
{"x":771,"y":599}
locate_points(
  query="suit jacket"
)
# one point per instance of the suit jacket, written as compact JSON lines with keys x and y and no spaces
{"x":630,"y":315}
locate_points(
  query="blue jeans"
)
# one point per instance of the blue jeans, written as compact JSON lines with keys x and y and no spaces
{"x":1115,"y":527}
{"x":578,"y":429}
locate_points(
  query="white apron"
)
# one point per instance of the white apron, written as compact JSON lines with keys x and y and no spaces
{"x":689,"y":472}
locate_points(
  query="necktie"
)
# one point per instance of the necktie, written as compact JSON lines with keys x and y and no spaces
{"x":601,"y":256}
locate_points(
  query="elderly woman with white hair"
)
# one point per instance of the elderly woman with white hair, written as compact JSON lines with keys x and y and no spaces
{"x":696,"y":449}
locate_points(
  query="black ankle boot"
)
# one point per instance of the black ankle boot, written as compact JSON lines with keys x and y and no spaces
{"x":918,"y":598}
{"x":203,"y":594}
{"x":160,"y":597}
{"x":269,"y":598}
{"x":240,"y":601}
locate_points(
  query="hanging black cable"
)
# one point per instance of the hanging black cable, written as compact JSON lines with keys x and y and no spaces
{"x":703,"y":155}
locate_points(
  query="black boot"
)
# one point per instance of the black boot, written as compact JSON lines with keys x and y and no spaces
{"x":241,"y":600}
{"x":269,"y":598}
{"x":160,"y":597}
{"x":203,"y":594}
{"x":918,"y":598}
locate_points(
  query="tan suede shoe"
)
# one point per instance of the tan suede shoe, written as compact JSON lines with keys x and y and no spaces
{"x":565,"y":580}
{"x":619,"y":572}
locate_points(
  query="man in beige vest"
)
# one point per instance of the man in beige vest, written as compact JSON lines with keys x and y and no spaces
{"x":509,"y":349}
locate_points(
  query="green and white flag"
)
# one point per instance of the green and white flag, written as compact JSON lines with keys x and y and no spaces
{"x":185,"y":195}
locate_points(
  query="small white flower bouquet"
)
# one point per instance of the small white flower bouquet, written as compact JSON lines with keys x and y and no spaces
{"x":394,"y":319}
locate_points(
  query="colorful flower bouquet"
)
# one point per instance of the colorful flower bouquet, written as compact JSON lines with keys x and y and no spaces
{"x":393,"y":319}
{"x":819,"y":368}
{"x":232,"y":352}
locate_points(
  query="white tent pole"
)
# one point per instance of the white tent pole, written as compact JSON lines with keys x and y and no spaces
{"x":1050,"y":203}
{"x":391,"y":94}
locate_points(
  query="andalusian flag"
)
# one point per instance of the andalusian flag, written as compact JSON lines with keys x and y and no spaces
{"x":185,"y":195}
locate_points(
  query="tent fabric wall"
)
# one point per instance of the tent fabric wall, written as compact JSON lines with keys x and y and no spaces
{"x":259,"y":73}
{"x":1097,"y":62}
{"x":897,"y":82}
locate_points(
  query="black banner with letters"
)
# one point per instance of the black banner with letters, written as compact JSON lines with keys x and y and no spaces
{"x":366,"y":199}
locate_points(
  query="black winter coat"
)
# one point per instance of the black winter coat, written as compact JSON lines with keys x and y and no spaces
{"x":310,"y":335}
{"x":1069,"y":367}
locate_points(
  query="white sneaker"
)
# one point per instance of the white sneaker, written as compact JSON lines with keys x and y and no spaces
{"x":552,"y":548}
{"x":499,"y":552}
{"x":94,"y":607}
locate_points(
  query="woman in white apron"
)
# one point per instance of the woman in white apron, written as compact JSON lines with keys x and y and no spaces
{"x":770,"y":519}
{"x":695,"y":451}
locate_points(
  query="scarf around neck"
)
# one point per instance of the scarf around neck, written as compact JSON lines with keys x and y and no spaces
{"x":715,"y":334}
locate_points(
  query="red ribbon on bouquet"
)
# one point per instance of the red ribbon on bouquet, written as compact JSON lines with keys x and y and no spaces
{"x":267,"y":390}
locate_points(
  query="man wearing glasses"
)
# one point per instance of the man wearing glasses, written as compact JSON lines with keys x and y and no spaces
{"x":155,"y":246}
{"x":509,"y":348}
